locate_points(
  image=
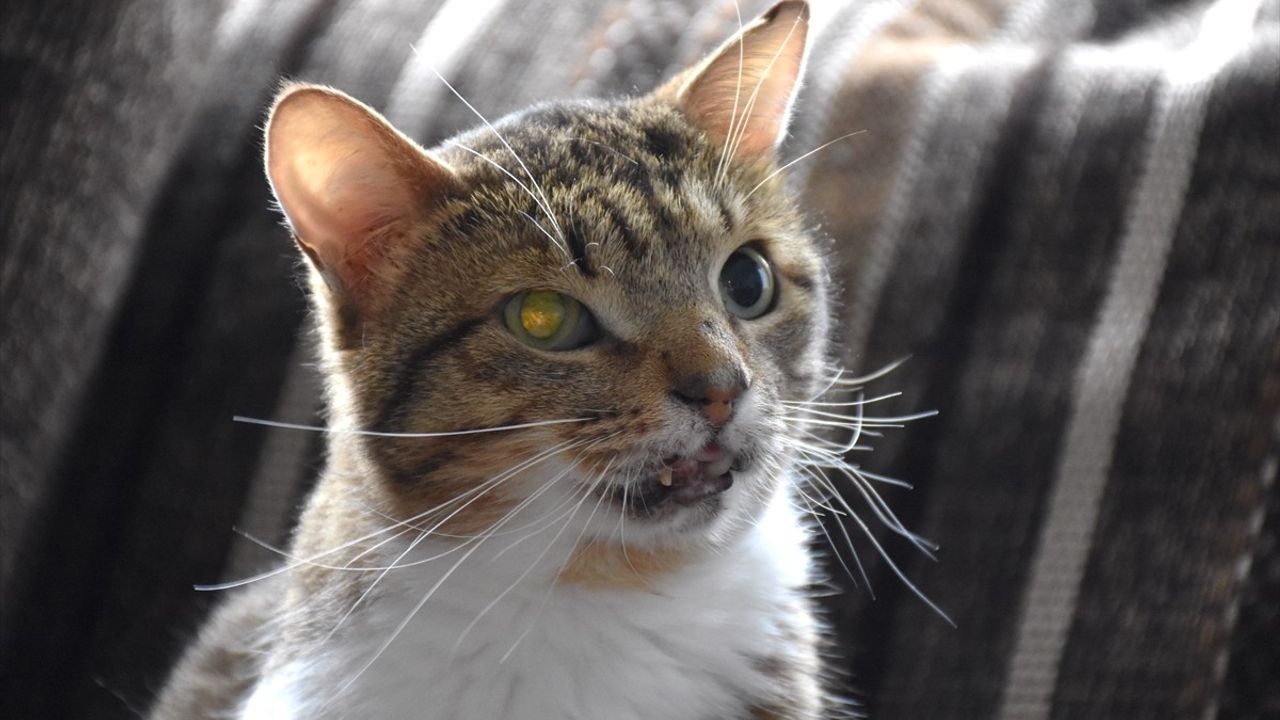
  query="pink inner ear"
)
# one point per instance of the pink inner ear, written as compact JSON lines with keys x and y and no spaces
{"x":349,"y":184}
{"x":742,"y":94}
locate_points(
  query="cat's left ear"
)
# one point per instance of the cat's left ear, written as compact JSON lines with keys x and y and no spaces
{"x":741,"y":94}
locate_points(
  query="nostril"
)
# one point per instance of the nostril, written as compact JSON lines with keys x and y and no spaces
{"x":714,"y":400}
{"x":682,"y":397}
{"x":718,"y":413}
{"x":723,"y":386}
{"x":724,"y":395}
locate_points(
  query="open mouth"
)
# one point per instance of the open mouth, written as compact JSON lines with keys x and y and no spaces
{"x":681,"y":480}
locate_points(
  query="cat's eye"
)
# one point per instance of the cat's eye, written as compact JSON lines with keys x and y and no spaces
{"x":548,"y":320}
{"x":747,"y":283}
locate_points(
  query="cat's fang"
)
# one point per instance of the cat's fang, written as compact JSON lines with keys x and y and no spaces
{"x":664,"y":477}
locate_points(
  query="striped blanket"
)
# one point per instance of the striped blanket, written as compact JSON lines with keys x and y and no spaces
{"x":1067,"y":214}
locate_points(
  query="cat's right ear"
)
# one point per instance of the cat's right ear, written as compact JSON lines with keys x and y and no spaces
{"x":741,"y":95}
{"x":351,"y":186}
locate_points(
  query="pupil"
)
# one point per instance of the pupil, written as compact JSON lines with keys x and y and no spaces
{"x":744,"y":280}
{"x":542,"y":313}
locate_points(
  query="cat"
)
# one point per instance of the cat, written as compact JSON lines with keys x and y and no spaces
{"x":564,"y":355}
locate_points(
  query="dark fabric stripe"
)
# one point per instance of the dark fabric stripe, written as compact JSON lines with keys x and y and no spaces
{"x":1188,"y":468}
{"x":963,"y":482}
{"x":155,"y":472}
{"x":1249,"y":689}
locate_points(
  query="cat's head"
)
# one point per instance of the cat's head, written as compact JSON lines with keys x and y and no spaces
{"x":625,"y":286}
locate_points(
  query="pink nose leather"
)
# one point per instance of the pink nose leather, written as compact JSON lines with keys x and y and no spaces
{"x":718,"y":404}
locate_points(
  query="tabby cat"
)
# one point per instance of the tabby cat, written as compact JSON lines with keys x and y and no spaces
{"x":560,"y":353}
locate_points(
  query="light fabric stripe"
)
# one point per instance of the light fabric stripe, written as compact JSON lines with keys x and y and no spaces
{"x":418,"y":92}
{"x":913,"y":167}
{"x":1103,"y":379}
{"x":837,"y":42}
{"x":950,"y":64}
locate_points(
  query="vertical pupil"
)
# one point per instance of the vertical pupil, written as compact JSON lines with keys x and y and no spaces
{"x":743,"y":279}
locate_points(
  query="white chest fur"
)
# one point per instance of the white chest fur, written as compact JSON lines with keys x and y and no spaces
{"x":690,"y":648}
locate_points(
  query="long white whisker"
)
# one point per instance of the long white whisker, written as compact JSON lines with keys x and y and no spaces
{"x":737,"y":92}
{"x":600,"y":478}
{"x":430,"y":531}
{"x":509,"y":588}
{"x":873,"y":375}
{"x":536,"y":200}
{"x":546,"y":205}
{"x":408,"y":618}
{"x":623,"y":519}
{"x":375,"y":433}
{"x":311,"y":560}
{"x":885,"y":514}
{"x":775,"y":173}
{"x":850,"y":403}
{"x":751,"y":101}
{"x":552,"y":512}
{"x":852,"y":551}
{"x":902,"y":576}
{"x":412,"y":613}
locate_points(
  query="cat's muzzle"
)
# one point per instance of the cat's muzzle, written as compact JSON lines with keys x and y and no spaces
{"x":682,"y":481}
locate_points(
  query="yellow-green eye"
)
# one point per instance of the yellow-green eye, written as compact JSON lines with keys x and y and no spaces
{"x":548,"y":320}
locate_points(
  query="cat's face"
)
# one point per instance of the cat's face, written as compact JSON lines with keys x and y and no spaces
{"x":625,"y":283}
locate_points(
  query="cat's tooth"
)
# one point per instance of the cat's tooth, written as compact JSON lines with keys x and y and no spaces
{"x":664,"y":477}
{"x":719,"y":467}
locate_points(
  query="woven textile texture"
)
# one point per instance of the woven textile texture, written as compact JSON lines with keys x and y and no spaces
{"x":1066,"y":213}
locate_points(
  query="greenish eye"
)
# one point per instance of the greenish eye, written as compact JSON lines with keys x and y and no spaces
{"x":548,"y":320}
{"x":747,"y":284}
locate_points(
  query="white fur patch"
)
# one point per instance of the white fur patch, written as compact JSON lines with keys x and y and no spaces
{"x":689,"y":649}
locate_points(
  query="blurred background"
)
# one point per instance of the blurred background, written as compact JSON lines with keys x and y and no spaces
{"x":1066,"y":212}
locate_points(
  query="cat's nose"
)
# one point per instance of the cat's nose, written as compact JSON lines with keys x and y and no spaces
{"x":714,"y":394}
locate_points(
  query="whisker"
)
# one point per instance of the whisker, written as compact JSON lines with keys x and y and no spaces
{"x":558,"y":242}
{"x":850,"y":403}
{"x":408,"y":618}
{"x":572,"y":549}
{"x":375,"y":433}
{"x":559,"y":246}
{"x":737,"y":92}
{"x":853,"y":551}
{"x":513,"y":585}
{"x":412,"y":613}
{"x":422,"y":536}
{"x":902,"y":576}
{"x":311,"y":560}
{"x":626,"y":487}
{"x":873,"y":375}
{"x":567,"y":501}
{"x":882,"y":511}
{"x":546,"y":205}
{"x":751,"y":101}
{"x":775,"y":173}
